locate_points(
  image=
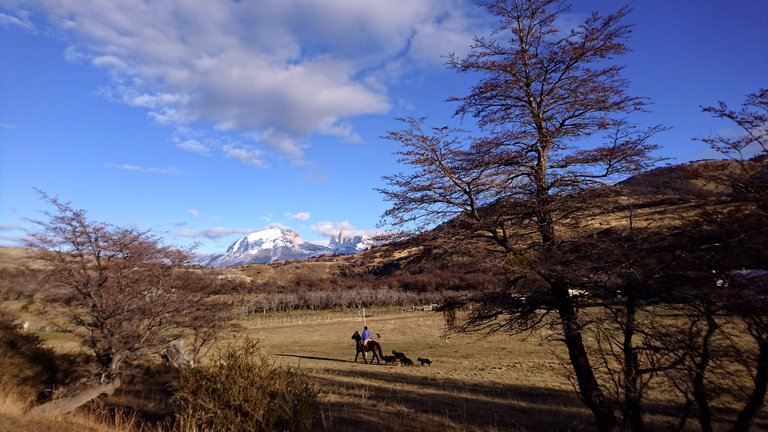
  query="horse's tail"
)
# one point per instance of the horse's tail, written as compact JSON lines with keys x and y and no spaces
{"x":378,"y":348}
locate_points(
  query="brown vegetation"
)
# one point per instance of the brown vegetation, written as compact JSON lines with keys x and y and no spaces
{"x":241,"y":389}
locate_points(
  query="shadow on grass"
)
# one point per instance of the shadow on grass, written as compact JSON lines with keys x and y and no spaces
{"x":360,"y":360}
{"x":314,"y":358}
{"x":388,"y":401}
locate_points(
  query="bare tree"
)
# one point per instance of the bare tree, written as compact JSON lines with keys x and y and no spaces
{"x":545,"y":97}
{"x":737,"y":301}
{"x":751,"y":119}
{"x":124,"y":293}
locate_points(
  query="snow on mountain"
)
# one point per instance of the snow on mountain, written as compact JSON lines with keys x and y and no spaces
{"x":284,"y":244}
{"x":349,"y":244}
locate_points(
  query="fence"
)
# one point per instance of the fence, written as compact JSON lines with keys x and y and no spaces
{"x":294,"y":318}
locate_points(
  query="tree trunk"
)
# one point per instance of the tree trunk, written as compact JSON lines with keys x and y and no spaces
{"x":632,"y":398}
{"x":589,"y":389}
{"x":66,"y":405}
{"x":699,"y":386}
{"x":756,"y":399}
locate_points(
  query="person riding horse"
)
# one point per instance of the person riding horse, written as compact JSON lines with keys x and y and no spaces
{"x":371,"y":346}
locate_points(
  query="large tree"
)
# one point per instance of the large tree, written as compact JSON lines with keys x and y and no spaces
{"x":553,"y":109}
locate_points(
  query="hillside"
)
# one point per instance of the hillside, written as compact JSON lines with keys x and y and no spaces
{"x":304,"y":311}
{"x":664,"y":195}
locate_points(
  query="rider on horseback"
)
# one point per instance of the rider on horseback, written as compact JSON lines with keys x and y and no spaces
{"x":366,"y":336}
{"x":372,"y":346}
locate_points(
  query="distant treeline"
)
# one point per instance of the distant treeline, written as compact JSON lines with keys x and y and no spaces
{"x":353,"y":288}
{"x":356,"y":291}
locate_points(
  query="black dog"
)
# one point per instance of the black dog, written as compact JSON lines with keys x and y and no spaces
{"x":406,"y":361}
{"x":424,"y":361}
{"x":398,"y":354}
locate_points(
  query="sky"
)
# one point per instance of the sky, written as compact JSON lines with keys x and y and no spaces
{"x":204,"y":121}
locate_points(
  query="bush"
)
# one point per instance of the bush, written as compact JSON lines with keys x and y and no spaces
{"x":243,"y":390}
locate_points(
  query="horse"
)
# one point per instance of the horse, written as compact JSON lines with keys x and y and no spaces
{"x":373,"y":347}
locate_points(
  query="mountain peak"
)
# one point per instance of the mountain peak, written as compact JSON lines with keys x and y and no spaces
{"x":284,"y":244}
{"x":349,"y":243}
{"x":274,"y":235}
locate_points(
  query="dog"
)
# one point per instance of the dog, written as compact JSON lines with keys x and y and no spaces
{"x":424,"y":361}
{"x":398,"y":354}
{"x":391,"y":360}
{"x":406,"y":361}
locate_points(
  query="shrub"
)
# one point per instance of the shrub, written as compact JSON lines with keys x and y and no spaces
{"x":242,"y":389}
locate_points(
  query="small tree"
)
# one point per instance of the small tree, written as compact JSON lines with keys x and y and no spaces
{"x":121,"y":290}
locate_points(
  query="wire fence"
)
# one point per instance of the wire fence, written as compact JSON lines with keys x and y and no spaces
{"x":294,"y":318}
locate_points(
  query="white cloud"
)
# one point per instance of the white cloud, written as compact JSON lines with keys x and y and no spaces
{"x":194,"y":146}
{"x":194,"y":213}
{"x":154,"y":100}
{"x":281,"y":69}
{"x":10,"y":234}
{"x":111,"y":63}
{"x":244,"y":154}
{"x":150,"y":170}
{"x":300,"y":216}
{"x":18,"y":241}
{"x":74,"y":55}
{"x":328,"y":228}
{"x":21,"y":19}
{"x":434,"y":40}
{"x":213,"y":233}
{"x":279,"y":141}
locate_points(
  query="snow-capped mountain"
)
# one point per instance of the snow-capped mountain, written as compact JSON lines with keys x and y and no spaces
{"x":284,"y":244}
{"x":349,"y":244}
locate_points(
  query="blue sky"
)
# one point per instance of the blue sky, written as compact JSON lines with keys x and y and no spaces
{"x":207,"y":120}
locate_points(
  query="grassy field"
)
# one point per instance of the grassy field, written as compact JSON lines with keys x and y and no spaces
{"x":474,"y":384}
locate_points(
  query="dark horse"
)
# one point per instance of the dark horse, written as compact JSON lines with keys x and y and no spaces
{"x":373,"y":347}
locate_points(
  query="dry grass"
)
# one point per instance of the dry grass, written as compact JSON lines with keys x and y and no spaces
{"x":474,"y":384}
{"x":12,"y":404}
{"x":13,"y":419}
{"x":13,"y":257}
